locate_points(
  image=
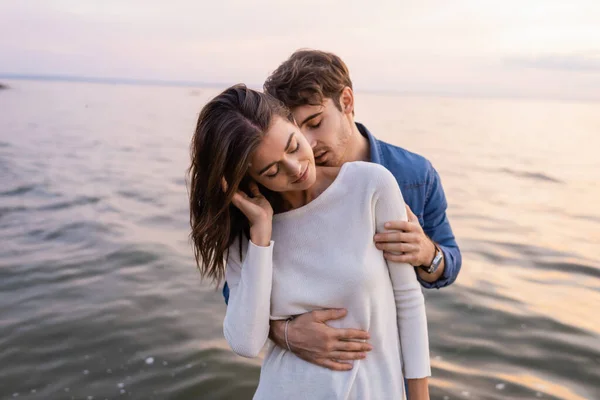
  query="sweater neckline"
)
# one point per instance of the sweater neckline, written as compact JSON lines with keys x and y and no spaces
{"x":315,"y":202}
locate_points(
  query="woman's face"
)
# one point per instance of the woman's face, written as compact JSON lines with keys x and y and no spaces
{"x":284,"y":160}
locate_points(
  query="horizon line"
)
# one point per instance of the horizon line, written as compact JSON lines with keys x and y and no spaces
{"x":200,"y":84}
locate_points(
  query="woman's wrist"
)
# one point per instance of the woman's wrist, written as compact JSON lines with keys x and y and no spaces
{"x":260,"y":234}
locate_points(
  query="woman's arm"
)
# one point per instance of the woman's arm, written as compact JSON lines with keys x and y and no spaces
{"x":246,"y":325}
{"x":410,"y":304}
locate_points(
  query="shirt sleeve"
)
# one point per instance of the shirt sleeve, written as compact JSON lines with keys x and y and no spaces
{"x":410,"y":304}
{"x":246,"y":324}
{"x":226,"y":293}
{"x":437,"y":227}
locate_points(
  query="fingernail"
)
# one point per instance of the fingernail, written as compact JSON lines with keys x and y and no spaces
{"x":387,"y":225}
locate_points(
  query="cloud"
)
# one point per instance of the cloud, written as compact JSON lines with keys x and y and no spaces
{"x":433,"y":46}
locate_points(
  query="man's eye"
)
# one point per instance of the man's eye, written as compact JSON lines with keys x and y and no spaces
{"x":316,"y":125}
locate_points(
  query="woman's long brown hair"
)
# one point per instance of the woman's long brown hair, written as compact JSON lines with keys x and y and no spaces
{"x":229,"y":129}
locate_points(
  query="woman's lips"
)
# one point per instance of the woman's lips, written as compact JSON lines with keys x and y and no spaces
{"x":303,"y":176}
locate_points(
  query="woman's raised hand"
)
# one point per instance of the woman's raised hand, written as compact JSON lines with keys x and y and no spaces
{"x":258,"y":210}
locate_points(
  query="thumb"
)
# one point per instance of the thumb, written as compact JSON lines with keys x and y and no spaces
{"x":329,"y":314}
{"x":411,"y":216}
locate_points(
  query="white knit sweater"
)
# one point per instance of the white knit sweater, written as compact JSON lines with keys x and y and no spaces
{"x":323,"y":256}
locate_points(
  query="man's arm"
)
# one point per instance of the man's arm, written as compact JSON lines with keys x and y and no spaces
{"x":311,"y":339}
{"x":408,"y":242}
{"x":437,"y":227}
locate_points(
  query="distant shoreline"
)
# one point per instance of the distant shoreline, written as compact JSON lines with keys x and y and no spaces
{"x":110,"y":81}
{"x":223,"y":85}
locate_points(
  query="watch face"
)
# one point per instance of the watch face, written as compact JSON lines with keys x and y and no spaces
{"x":437,"y":259}
{"x":436,"y":262}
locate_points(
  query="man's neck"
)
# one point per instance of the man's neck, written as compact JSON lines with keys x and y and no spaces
{"x":358,"y":148}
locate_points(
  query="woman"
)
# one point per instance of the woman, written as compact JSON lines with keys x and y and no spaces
{"x":297,"y":238}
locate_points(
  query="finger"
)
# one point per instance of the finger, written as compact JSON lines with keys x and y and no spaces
{"x":351,"y":334}
{"x":333,"y":365}
{"x":401,"y":258}
{"x":254,"y":189}
{"x":239,"y":200}
{"x":347,"y":355}
{"x":411,"y":216}
{"x":387,"y":237}
{"x":398,"y":225}
{"x":236,"y":200}
{"x":398,"y":247}
{"x":360,"y":347}
{"x":397,"y":237}
{"x":224,"y":184}
{"x":243,"y":195}
{"x":329,"y":314}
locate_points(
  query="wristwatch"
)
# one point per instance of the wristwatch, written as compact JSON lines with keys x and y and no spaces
{"x":435,"y":264}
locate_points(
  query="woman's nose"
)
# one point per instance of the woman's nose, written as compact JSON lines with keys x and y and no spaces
{"x":310,"y":139}
{"x":294,"y":167}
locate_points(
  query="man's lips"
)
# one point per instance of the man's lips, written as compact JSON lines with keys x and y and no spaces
{"x":319,"y":155}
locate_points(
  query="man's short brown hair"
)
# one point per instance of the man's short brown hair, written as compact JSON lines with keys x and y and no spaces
{"x":309,"y":77}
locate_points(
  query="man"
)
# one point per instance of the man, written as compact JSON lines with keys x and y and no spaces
{"x":316,"y":86}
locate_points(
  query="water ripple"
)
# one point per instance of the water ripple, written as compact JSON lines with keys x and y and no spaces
{"x":99,"y":294}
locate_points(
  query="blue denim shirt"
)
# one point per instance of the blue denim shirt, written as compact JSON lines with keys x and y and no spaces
{"x":422,"y":190}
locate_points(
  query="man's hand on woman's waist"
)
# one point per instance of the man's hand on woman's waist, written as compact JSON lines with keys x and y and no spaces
{"x":311,"y":339}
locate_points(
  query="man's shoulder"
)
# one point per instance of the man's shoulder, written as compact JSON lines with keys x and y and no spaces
{"x":405,"y":165}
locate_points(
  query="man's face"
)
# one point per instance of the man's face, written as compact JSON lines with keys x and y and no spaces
{"x":327,"y":130}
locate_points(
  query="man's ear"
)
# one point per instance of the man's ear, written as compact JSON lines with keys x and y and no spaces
{"x":347,"y":100}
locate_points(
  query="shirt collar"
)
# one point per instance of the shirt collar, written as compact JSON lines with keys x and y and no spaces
{"x":374,"y":147}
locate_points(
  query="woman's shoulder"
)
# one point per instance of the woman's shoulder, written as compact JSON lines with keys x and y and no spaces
{"x":372,"y":173}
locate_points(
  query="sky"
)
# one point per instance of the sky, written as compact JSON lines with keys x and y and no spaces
{"x":530,"y":48}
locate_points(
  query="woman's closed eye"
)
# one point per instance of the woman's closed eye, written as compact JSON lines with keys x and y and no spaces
{"x":297,"y":148}
{"x":274,"y":174}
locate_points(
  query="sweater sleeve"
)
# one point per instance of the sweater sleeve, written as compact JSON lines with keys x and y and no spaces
{"x":246,"y":325}
{"x":410,"y":304}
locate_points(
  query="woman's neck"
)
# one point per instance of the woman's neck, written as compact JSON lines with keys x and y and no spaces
{"x":299,"y":198}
